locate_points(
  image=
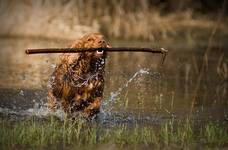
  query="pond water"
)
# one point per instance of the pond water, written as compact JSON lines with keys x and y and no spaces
{"x":138,"y":89}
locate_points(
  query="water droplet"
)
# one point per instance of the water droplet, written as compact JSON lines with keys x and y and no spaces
{"x":53,"y":65}
{"x":21,"y":93}
{"x":36,"y":106}
{"x":114,"y":95}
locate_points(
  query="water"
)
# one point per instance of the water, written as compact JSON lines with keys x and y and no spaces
{"x":114,"y":95}
{"x":137,"y":88}
{"x":40,"y":110}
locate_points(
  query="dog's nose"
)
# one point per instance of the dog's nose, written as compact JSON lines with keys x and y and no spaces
{"x":101,"y":42}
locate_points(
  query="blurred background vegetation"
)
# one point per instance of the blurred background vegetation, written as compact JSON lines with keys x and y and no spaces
{"x":149,"y":20}
{"x":192,"y":84}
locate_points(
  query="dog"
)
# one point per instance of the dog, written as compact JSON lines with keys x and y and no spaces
{"x":77,"y":82}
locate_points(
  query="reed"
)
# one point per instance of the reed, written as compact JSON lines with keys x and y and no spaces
{"x":81,"y":134}
{"x":116,"y":19}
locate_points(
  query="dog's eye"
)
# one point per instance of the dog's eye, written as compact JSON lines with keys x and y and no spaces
{"x":100,"y":51}
{"x":89,"y":39}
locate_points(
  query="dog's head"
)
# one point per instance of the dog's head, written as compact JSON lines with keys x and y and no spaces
{"x":93,"y":40}
{"x":95,"y":60}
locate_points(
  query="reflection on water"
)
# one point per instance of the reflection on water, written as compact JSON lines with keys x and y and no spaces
{"x":136,"y":86}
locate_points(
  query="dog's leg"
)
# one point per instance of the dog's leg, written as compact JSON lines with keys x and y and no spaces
{"x":93,"y":108}
{"x":51,"y":101}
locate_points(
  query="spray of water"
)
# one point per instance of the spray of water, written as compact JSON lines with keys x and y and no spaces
{"x":40,"y":110}
{"x":114,"y":95}
{"x":107,"y":105}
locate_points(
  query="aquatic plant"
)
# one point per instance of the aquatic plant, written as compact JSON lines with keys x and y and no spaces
{"x":52,"y":132}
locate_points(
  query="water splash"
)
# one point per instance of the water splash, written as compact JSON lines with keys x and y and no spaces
{"x":21,"y":93}
{"x":114,"y":95}
{"x":106,"y":108}
{"x":40,"y":109}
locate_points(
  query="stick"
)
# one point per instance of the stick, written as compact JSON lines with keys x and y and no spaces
{"x":116,"y":49}
{"x":78,"y":50}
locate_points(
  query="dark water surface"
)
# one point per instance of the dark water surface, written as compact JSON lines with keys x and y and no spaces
{"x":137,"y":88}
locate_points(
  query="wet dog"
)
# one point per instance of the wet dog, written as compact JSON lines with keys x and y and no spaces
{"x":77,"y":83}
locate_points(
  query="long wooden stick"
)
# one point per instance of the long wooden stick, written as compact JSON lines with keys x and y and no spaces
{"x":78,"y":50}
{"x":114,"y":49}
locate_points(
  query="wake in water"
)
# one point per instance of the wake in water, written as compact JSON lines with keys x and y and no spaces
{"x":41,"y":111}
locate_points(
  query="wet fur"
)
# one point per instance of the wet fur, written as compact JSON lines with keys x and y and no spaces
{"x":77,"y":83}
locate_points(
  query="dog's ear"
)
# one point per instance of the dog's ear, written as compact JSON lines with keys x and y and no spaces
{"x":77,"y":44}
{"x":64,"y":58}
{"x":67,"y":57}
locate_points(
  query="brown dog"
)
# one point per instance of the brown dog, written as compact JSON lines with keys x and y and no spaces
{"x":78,"y":81}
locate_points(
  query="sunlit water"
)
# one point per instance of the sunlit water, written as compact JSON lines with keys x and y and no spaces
{"x":137,"y":88}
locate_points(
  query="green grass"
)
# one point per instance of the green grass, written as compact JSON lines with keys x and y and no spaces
{"x":53,"y":133}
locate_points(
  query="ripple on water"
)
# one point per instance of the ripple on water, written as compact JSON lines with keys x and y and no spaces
{"x":107,"y":115}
